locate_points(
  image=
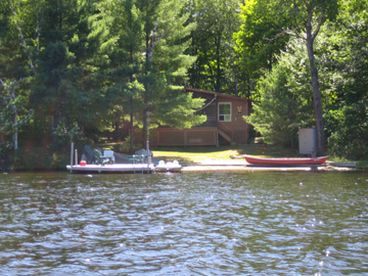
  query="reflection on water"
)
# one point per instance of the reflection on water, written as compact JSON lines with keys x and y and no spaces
{"x":267,"y":223}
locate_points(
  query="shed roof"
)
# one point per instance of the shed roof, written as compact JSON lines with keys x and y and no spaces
{"x":217,"y":94}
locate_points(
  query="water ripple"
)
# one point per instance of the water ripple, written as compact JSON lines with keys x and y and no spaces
{"x":206,"y":224}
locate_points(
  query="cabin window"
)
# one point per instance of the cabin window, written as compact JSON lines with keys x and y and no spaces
{"x":224,"y":112}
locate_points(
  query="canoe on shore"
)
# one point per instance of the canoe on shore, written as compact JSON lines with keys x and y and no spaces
{"x":293,"y":161}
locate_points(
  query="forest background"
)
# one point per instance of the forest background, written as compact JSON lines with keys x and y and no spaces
{"x":77,"y":69}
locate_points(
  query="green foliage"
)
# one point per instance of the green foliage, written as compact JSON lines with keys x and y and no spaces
{"x":346,"y":62}
{"x":261,"y":37}
{"x":282,"y":100}
{"x":214,"y":68}
{"x":264,"y":22}
{"x":143,"y":44}
{"x":13,"y":113}
{"x":166,"y":33}
{"x":42,"y":158}
{"x":15,"y":81}
{"x":321,"y":10}
{"x":124,"y":147}
{"x":80,"y":68}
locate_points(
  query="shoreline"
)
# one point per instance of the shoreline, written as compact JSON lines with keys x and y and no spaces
{"x":215,"y":165}
{"x":241,"y":165}
{"x":201,"y":168}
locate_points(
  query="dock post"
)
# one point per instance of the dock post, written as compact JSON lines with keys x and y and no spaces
{"x":71,"y":153}
{"x":76,"y":156}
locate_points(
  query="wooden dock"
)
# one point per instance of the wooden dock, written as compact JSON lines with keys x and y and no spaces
{"x":111,"y":168}
{"x":207,"y":166}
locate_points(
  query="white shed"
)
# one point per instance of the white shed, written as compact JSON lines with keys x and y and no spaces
{"x":307,"y":141}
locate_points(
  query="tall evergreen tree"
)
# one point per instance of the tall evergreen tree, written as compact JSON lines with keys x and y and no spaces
{"x":166,"y":35}
{"x":118,"y":27}
{"x":16,"y":69}
{"x":144,"y":43}
{"x":63,"y":93}
{"x":212,"y":43}
{"x":281,"y":100}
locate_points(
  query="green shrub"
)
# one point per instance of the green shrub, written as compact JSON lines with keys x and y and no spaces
{"x":282,"y":102}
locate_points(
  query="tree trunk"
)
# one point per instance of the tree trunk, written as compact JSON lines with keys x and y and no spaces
{"x":149,"y":54}
{"x":150,"y":46}
{"x":15,"y":116}
{"x":218,"y":65}
{"x":131,"y":78}
{"x":131,"y":125}
{"x":317,"y":99}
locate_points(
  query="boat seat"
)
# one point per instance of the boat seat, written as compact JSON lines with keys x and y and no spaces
{"x":136,"y":158}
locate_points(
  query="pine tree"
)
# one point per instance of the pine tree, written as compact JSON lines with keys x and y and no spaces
{"x":166,"y":33}
{"x":212,"y":43}
{"x":16,"y":68}
{"x":144,"y":43}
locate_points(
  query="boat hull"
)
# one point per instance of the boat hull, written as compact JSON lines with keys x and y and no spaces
{"x":285,"y":161}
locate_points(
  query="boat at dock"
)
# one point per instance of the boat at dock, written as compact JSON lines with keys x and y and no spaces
{"x":95,"y":160}
{"x":163,"y":166}
{"x":285,"y":161}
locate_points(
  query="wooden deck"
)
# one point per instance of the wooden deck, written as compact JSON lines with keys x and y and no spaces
{"x":197,"y":136}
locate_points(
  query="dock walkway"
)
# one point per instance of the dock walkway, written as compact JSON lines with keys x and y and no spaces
{"x":210,"y":165}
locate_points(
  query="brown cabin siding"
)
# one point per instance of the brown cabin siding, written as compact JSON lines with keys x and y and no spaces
{"x":198,"y":136}
{"x":236,"y":130}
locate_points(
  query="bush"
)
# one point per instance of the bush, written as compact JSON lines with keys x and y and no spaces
{"x":125,"y":146}
{"x":282,"y":100}
{"x":40,"y":158}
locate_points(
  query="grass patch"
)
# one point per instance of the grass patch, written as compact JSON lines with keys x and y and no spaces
{"x":198,"y":154}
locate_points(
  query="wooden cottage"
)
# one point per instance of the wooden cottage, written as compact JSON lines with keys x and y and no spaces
{"x":224,"y":125}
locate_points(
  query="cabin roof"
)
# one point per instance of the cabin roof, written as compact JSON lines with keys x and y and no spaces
{"x":217,"y":94}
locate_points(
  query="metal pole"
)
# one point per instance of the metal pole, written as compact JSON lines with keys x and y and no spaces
{"x":76,"y":156}
{"x":148,"y":152}
{"x":71,"y":153}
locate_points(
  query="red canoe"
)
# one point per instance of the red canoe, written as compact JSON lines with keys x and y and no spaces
{"x":285,"y":161}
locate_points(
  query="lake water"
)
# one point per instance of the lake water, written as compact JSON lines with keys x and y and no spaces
{"x":184,"y":224}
